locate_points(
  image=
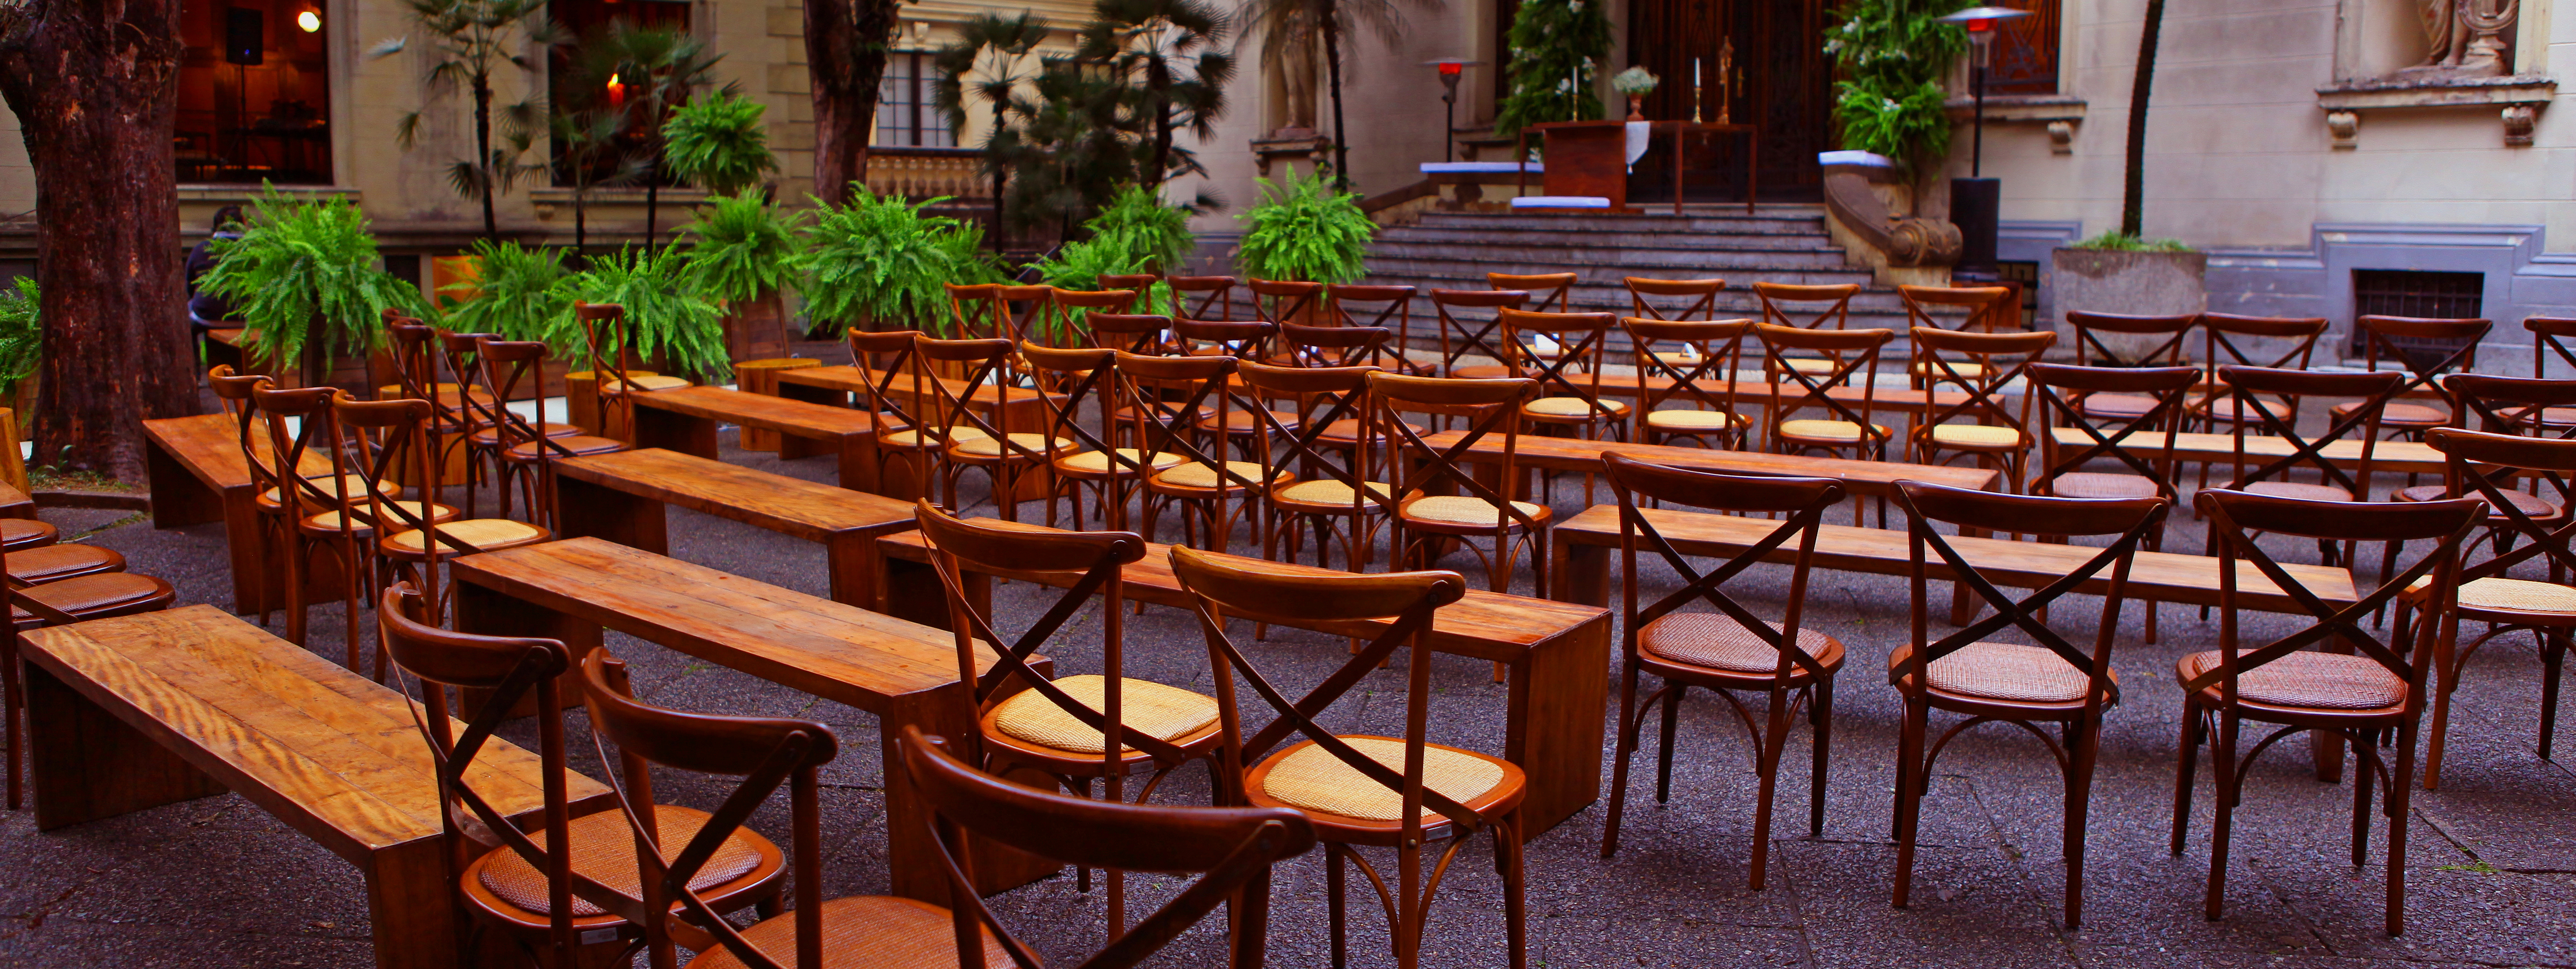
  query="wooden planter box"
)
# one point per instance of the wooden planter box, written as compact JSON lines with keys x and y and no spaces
{"x":756,"y":329}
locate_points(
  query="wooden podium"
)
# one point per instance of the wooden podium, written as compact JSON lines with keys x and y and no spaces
{"x":1590,"y":158}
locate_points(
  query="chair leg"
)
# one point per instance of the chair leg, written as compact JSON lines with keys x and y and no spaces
{"x":1766,"y":770}
{"x":1507,"y":857}
{"x":1664,"y":756}
{"x":2187,"y":757}
{"x":298,"y":553}
{"x":1820,"y":719}
{"x":2446,"y":678}
{"x":2401,"y":791}
{"x":2553,"y":657}
{"x":1912,"y":775}
{"x":2079,"y":802}
{"x":1625,"y":747}
{"x":1333,"y":903}
{"x":2365,"y":753}
{"x":2222,"y":771}
{"x":10,"y":706}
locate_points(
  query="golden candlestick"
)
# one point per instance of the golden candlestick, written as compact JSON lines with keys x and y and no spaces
{"x":1725,"y":81}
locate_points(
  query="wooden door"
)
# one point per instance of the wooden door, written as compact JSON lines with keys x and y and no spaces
{"x":1781,"y":80}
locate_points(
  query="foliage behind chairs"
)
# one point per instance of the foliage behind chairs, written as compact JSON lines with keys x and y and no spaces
{"x":719,"y":142}
{"x":1307,"y":231}
{"x":299,"y":265}
{"x":879,"y":263}
{"x":1167,"y":50}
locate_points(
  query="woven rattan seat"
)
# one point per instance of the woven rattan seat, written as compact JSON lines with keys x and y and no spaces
{"x":2293,"y":489}
{"x":1976,"y":435}
{"x":603,"y":850}
{"x":2118,"y":405}
{"x":1240,"y":422}
{"x":17,"y":532}
{"x":2410,"y":415}
{"x":2498,"y":594}
{"x":330,"y":520}
{"x":564,"y":447}
{"x":483,"y":533}
{"x":357,"y":489}
{"x":1716,"y":641}
{"x":1965,"y":368}
{"x":1348,"y":429}
{"x":1692,"y":420}
{"x":1809,"y":364}
{"x":1097,"y":462}
{"x":914,"y":439}
{"x":1821,"y":430}
{"x":2001,"y":671}
{"x":1570,"y":407}
{"x":2536,"y":506}
{"x":1462,"y":510}
{"x":983,"y":445}
{"x":2224,"y":409}
{"x":1327,"y":492}
{"x":1195,"y":475}
{"x":55,"y":562}
{"x":1162,"y":712}
{"x":2093,"y":484}
{"x":1310,"y":777}
{"x":865,"y":932}
{"x":2316,"y":681}
{"x":1676,"y":358}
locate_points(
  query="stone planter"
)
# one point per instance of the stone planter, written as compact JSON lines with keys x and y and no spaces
{"x":2130,"y":283}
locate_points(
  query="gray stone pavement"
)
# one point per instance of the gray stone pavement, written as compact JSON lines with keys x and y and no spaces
{"x":2491,"y":867}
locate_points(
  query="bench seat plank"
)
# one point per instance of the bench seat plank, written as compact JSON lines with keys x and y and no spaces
{"x":2409,"y":457}
{"x":620,"y":497}
{"x":1575,"y":454}
{"x":792,"y":417}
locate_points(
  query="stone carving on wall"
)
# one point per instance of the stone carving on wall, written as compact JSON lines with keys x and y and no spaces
{"x":1298,"y":74}
{"x":2467,"y":64}
{"x":2463,"y":38}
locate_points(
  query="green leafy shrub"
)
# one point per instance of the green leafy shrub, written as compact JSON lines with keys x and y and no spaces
{"x":299,"y":262}
{"x":1892,"y":55}
{"x":2117,"y":241}
{"x":1557,"y":46}
{"x":22,"y":340}
{"x":1305,"y":231}
{"x":719,"y":142}
{"x":666,"y":319}
{"x":878,"y":263}
{"x":1151,"y":231}
{"x":518,"y":294}
{"x":744,"y":248}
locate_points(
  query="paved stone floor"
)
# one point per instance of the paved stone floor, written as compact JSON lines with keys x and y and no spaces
{"x":2491,"y":867}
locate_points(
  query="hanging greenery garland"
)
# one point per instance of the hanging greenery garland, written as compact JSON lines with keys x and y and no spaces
{"x":1557,"y":47}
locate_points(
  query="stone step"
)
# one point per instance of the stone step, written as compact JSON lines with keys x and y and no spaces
{"x":1771,"y":218}
{"x":1618,"y":241}
{"x":1466,"y":272}
{"x":1633,"y":262}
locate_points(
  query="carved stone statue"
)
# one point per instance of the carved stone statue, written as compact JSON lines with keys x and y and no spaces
{"x":2464,"y":38}
{"x":1298,"y":73}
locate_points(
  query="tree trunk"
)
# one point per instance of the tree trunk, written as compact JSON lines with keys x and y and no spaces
{"x":483,"y":154}
{"x":845,"y":54}
{"x":1158,"y":83}
{"x":2133,"y":193}
{"x":652,"y":205}
{"x":999,"y":178}
{"x":94,"y":84}
{"x":1333,"y":69}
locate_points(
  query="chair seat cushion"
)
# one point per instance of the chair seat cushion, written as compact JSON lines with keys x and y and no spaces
{"x":564,"y":447}
{"x":1572,"y":407}
{"x":2095,"y":484}
{"x":2491,"y":594}
{"x":482,"y":533}
{"x":1310,"y":777}
{"x":18,"y":533}
{"x":1716,"y":641}
{"x":1463,"y":510}
{"x":491,"y":436}
{"x":1976,"y":435}
{"x":2118,"y":405}
{"x":2408,"y":415}
{"x":2310,"y":680}
{"x":2293,"y":489}
{"x":54,"y":563}
{"x":330,"y":520}
{"x":1348,"y":429}
{"x":913,"y":438}
{"x":2536,"y":506}
{"x":1692,"y":420}
{"x":1329,"y":491}
{"x":1809,"y":364}
{"x":1196,"y":475}
{"x":96,"y":596}
{"x":864,"y":932}
{"x":984,"y":446}
{"x":1161,"y":712}
{"x":1097,"y":462}
{"x":1822,"y":430}
{"x":2007,"y":672}
{"x":603,"y":850}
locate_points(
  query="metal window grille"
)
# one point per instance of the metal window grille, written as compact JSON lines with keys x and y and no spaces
{"x":2025,"y":53}
{"x":2409,"y":292}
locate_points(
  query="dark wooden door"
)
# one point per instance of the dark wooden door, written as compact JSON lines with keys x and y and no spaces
{"x":1781,"y":80}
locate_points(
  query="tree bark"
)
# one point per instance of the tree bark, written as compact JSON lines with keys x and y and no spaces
{"x":845,"y":55}
{"x":1333,"y":65}
{"x":2133,"y":190}
{"x":483,"y":154}
{"x":94,"y":84}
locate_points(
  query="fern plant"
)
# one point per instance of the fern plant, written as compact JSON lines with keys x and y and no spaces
{"x":302,"y":262}
{"x":1892,"y":56}
{"x":1304,"y":230}
{"x":879,"y":261}
{"x":22,"y":340}
{"x":1151,"y":231}
{"x":518,"y":293}
{"x":665,"y":316}
{"x":719,"y":142}
{"x":745,"y":247}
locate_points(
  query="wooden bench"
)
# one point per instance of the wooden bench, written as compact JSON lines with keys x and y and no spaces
{"x":146,"y":710}
{"x":684,"y":419}
{"x":198,"y":475}
{"x":903,"y":673}
{"x":1872,"y":478}
{"x":2406,"y":457}
{"x":620,"y":497}
{"x":1558,"y":657}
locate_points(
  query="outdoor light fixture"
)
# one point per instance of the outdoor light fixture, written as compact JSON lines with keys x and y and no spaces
{"x":1451,"y":69}
{"x":1977,"y":201}
{"x":309,"y":20}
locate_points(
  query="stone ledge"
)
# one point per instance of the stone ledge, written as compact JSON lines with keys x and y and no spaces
{"x":2020,"y":107}
{"x":2518,"y":98}
{"x":237,"y":193}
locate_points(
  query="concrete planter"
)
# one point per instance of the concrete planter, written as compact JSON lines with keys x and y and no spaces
{"x":2132,"y":283}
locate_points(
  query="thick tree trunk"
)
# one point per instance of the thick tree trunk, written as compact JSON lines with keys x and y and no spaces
{"x":94,"y":85}
{"x":2133,"y":190}
{"x":1158,"y":85}
{"x":845,"y":55}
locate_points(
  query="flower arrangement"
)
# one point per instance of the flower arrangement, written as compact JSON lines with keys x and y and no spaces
{"x":1635,"y":82}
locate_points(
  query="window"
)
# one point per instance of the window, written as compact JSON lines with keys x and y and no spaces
{"x":2024,"y":60}
{"x":254,"y":104}
{"x":2403,"y":292}
{"x":907,"y":108}
{"x":602,"y":134}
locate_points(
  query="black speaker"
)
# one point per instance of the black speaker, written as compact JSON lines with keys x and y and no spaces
{"x":1974,"y":204}
{"x":245,"y":36}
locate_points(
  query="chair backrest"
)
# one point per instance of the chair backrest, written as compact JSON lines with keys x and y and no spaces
{"x":2481,"y":466}
{"x":2091,"y":351}
{"x":1234,"y":846}
{"x":2549,"y":337}
{"x":1853,"y":354}
{"x":315,"y":430}
{"x":1323,"y":398}
{"x":891,"y":379}
{"x":393,"y":436}
{"x":1716,"y":349}
{"x":1240,"y":339}
{"x":2426,"y":347}
{"x":1220,"y":591}
{"x":1549,"y":292}
{"x":2145,"y":444}
{"x":2250,"y":386}
{"x":507,"y":366}
{"x":1460,"y":336}
{"x":2281,"y":342}
{"x":604,"y":335}
{"x":1069,"y":312}
{"x":765,"y":752}
{"x":1700,"y":294}
{"x":2000,"y":359}
{"x":1574,"y":370}
{"x":1819,"y":307}
{"x":1130,"y":281}
{"x":1339,"y":346}
{"x":1279,"y":302}
{"x":977,"y":310}
{"x":504,"y":670}
{"x":1803,"y":500}
{"x":986,"y":363}
{"x":2130,"y":520}
{"x":2512,"y":405}
{"x":1085,"y":380}
{"x":1489,"y":407}
{"x":1394,"y":307}
{"x":1162,"y":395}
{"x":463,"y":353}
{"x":1134,"y":333}
{"x":1025,"y":309}
{"x":234,"y":393}
{"x":412,"y":345}
{"x":1984,"y":309}
{"x":1202,"y":297}
{"x":2236,"y":517}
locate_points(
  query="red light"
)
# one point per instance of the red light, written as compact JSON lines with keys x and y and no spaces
{"x":1980,"y":26}
{"x":1452,"y":67}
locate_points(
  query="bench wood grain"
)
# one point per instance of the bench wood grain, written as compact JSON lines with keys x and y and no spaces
{"x":1875,"y":478}
{"x":684,"y":419}
{"x":2408,"y":457}
{"x":620,"y":497}
{"x":197,"y":473}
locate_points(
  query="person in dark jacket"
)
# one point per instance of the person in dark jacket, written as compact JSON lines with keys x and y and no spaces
{"x":206,"y":311}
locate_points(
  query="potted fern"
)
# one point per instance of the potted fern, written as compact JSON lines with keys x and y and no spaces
{"x":1305,"y":230}
{"x":303,"y":279}
{"x":22,"y":346}
{"x":877,"y":263}
{"x":719,"y":142}
{"x":519,"y":294}
{"x":1136,"y":233}
{"x":743,"y":253}
{"x":669,"y":326}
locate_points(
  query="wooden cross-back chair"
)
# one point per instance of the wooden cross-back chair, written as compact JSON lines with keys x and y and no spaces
{"x":2403,"y":340}
{"x":2274,"y":342}
{"x":1980,"y":309}
{"x":1549,"y":292}
{"x":2503,"y":405}
{"x":1461,"y":337}
{"x":1246,"y":341}
{"x":1007,"y":458}
{"x":1347,"y":785}
{"x":1131,"y":332}
{"x":1699,"y":296}
{"x":1111,"y":473}
{"x":1202,"y":297}
{"x":2144,"y":444}
{"x":2362,"y":698}
{"x":1852,"y":358}
{"x":1710,"y":350}
{"x":1132,"y":281}
{"x":978,"y":310}
{"x":1069,"y":313}
{"x":1439,"y":501}
{"x":1174,"y":401}
{"x":329,"y":512}
{"x":1281,"y":302}
{"x":528,"y":448}
{"x":542,"y":900}
{"x":904,"y":414}
{"x":2482,"y":466}
{"x":405,"y":535}
{"x":1807,"y":307}
{"x":2550,"y":336}
{"x":2145,"y":341}
{"x":1350,"y":346}
{"x":2054,"y":681}
{"x":2253,"y":386}
{"x":1569,"y":376}
{"x":1728,"y":650}
{"x":1075,"y":729}
{"x":767,"y":753}
{"x":463,"y":353}
{"x":1024,"y":310}
{"x":610,"y":342}
{"x":1983,"y":367}
{"x":274,"y":514}
{"x":1393,"y":311}
{"x":1234,"y":848}
{"x":1337,"y":478}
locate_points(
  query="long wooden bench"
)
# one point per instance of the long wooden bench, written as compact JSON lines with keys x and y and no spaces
{"x":198,"y":475}
{"x":146,"y":710}
{"x":1873,"y":478}
{"x":2406,"y":457}
{"x":901,"y":672}
{"x":684,"y":419}
{"x":620,"y":497}
{"x":1557,"y":656}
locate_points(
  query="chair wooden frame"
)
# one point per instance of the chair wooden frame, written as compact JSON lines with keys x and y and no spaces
{"x":402,"y":435}
{"x":1069,"y":313}
{"x":1487,"y":407}
{"x":1853,"y":358}
{"x":1164,"y":426}
{"x":2248,"y":385}
{"x":1213,"y":293}
{"x":2549,"y":339}
{"x":351,"y":533}
{"x":2079,"y":720}
{"x":2479,"y":465}
{"x":1219,"y":592}
{"x":506,"y":364}
{"x":1394,"y":312}
{"x":1994,"y":361}
{"x":978,"y":310}
{"x":1281,"y":302}
{"x":889,"y":394}
{"x":1702,"y":294}
{"x":1132,"y":332}
{"x":1582,"y":346}
{"x":2219,"y":333}
{"x":2091,"y":351}
{"x":2064,"y":389}
{"x":2214,"y":707}
{"x":605,"y":337}
{"x":1801,"y":678}
{"x":1549,"y":292}
{"x":1835,"y":315}
{"x":1481,"y":338}
{"x":1341,"y":396}
{"x":1717,"y":347}
{"x":2380,"y":336}
{"x":1077,"y":374}
{"x":987,"y":363}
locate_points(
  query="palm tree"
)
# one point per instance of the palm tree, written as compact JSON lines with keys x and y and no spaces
{"x":995,"y":49}
{"x":656,"y":69}
{"x":1282,"y":21}
{"x":586,"y":140}
{"x":470,"y":40}
{"x":1172,"y":44}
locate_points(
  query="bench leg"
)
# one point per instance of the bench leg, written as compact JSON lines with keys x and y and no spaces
{"x":178,"y":498}
{"x":583,"y":509}
{"x":851,"y":557}
{"x":911,"y":591}
{"x":672,"y":430}
{"x":912,"y":857}
{"x":412,"y":908}
{"x":1582,"y":573}
{"x":859,"y":463}
{"x":1558,"y":695}
{"x":88,"y":764}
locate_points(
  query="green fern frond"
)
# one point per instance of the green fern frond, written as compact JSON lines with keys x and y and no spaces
{"x":1304,"y":230}
{"x":666,"y":319}
{"x":299,"y":262}
{"x":744,"y":246}
{"x":719,"y":142}
{"x":878,"y":262}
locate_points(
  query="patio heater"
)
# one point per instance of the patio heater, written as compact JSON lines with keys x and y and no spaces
{"x":1976,"y":200}
{"x":1451,"y":69}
